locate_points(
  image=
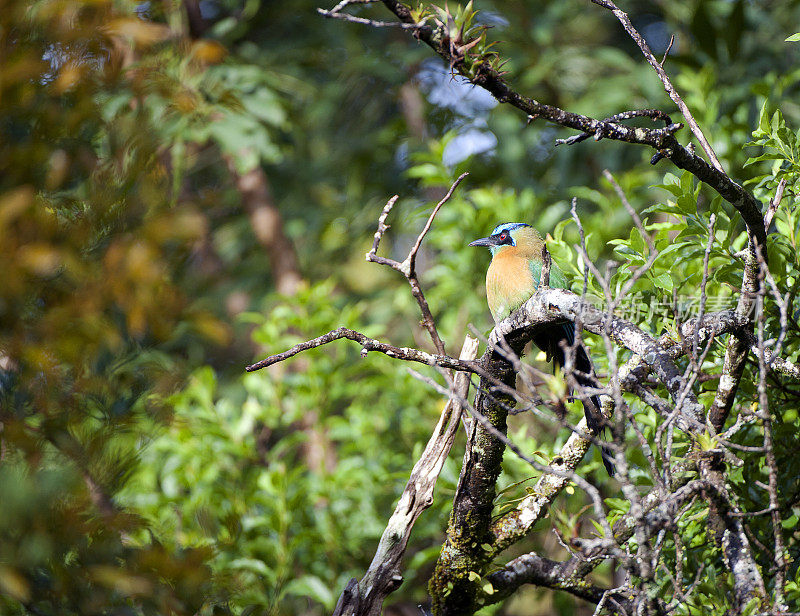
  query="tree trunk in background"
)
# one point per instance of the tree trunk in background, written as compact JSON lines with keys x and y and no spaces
{"x":194,"y":17}
{"x":412,"y":105}
{"x":267,"y":224}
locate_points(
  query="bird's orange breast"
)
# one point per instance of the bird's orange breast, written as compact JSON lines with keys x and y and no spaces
{"x":509,"y":282}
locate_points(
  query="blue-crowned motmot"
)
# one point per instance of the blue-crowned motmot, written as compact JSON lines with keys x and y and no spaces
{"x":512,"y":278}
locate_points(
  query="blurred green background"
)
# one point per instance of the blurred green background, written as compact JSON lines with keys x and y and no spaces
{"x":188,"y":187}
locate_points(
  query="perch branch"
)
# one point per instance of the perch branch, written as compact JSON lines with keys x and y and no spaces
{"x":553,"y":305}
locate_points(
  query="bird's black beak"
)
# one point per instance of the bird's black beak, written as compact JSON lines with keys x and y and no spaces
{"x":484,"y":241}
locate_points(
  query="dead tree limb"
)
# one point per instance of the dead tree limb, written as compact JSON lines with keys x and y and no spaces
{"x":384,"y":576}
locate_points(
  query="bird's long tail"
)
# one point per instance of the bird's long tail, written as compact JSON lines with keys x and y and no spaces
{"x":549,"y":341}
{"x":591,"y":407}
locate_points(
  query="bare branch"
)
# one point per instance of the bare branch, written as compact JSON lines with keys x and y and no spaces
{"x":370,"y":344}
{"x":335,"y":14}
{"x":532,"y":568}
{"x":774,"y":204}
{"x":382,"y":228}
{"x":411,"y":260}
{"x":778,"y":364}
{"x":408,"y":266}
{"x":669,"y":48}
{"x":781,"y":563}
{"x":653,"y":114}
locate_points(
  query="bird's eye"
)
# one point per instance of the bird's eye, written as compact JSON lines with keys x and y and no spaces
{"x":503,"y":235}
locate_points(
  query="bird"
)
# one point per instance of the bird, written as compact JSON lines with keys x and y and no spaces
{"x":512,"y":278}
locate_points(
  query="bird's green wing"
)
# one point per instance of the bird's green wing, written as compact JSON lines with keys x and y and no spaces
{"x":557,"y":279}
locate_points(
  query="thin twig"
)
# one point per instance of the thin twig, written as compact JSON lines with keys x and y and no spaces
{"x":410,"y":261}
{"x":781,"y":564}
{"x":774,"y":204}
{"x":629,"y":208}
{"x":703,"y":284}
{"x":669,"y":47}
{"x":366,"y":22}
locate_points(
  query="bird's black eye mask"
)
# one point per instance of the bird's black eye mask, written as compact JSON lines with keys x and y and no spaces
{"x":503,"y":239}
{"x":501,"y":236}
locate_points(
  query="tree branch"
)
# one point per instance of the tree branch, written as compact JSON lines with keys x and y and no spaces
{"x":408,"y":266}
{"x":451,"y":587}
{"x":553,"y":305}
{"x":662,"y":75}
{"x":369,"y":344}
{"x":738,"y":346}
{"x":532,"y":568}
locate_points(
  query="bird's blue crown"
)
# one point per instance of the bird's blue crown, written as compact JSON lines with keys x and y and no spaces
{"x":508,"y":226}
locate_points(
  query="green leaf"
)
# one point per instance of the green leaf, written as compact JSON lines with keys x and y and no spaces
{"x":637,"y":241}
{"x":598,"y":527}
{"x":706,"y":441}
{"x":312,"y":587}
{"x":763,"y":122}
{"x":768,"y":156}
{"x":619,"y":504}
{"x":664,"y":282}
